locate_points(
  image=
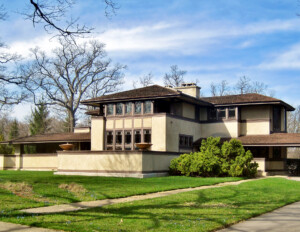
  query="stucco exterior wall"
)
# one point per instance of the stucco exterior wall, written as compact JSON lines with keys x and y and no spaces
{"x":82,"y":130}
{"x":157,"y":162}
{"x":224,"y":129}
{"x":1,"y":161}
{"x":10,"y":162}
{"x":175,"y":127}
{"x":203,"y":114}
{"x":159,"y":133}
{"x":97,"y":133}
{"x":255,"y":112}
{"x":188,"y":110}
{"x":39,"y":161}
{"x":255,"y":128}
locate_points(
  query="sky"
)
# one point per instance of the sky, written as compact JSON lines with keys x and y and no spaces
{"x":211,"y":40}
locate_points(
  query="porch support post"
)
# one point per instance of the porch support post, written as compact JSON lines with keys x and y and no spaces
{"x":97,"y":133}
{"x":18,"y":156}
{"x":2,"y":161}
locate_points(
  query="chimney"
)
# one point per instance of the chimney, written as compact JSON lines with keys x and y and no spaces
{"x":190,"y":89}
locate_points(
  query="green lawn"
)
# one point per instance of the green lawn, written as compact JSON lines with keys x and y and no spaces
{"x":201,"y":210}
{"x":42,"y":188}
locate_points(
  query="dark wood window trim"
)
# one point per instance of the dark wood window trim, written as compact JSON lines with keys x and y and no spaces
{"x":185,"y":141}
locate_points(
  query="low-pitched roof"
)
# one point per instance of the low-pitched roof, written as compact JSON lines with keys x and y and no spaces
{"x":52,"y":138}
{"x":245,"y":99}
{"x":275,"y":139}
{"x":149,"y":92}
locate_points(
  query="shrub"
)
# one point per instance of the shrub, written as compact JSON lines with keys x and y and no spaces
{"x":230,"y":159}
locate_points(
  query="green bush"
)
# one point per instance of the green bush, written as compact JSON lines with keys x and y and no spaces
{"x":214,"y":159}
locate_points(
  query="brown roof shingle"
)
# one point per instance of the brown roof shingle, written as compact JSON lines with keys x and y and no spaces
{"x":249,"y":98}
{"x":52,"y":138}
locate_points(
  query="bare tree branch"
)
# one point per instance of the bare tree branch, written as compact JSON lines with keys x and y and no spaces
{"x":70,"y":74}
{"x":143,"y":81}
{"x":175,"y":78}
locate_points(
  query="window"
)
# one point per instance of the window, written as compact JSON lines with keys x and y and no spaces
{"x":147,"y":136}
{"x":222,"y":113}
{"x":109,"y":138}
{"x":119,"y":108}
{"x":110,"y":109}
{"x":127,"y":137}
{"x":212,"y":114}
{"x":231,"y":112}
{"x":137,"y":136}
{"x":147,"y":107}
{"x":185,"y":141}
{"x":128,"y":108}
{"x":138,"y":107}
{"x":119,"y":138}
{"x":276,"y":153}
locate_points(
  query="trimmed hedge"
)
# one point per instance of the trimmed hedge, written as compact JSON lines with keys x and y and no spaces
{"x":216,"y":159}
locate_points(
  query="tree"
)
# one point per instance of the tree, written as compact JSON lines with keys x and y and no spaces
{"x":243,"y":86}
{"x":293,"y":121}
{"x":220,"y":89}
{"x":14,"y":130}
{"x":65,"y":77}
{"x":144,"y":81}
{"x":175,"y":78}
{"x":39,"y":122}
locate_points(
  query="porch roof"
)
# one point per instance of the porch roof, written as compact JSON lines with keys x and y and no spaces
{"x":52,"y":138}
{"x":273,"y":140}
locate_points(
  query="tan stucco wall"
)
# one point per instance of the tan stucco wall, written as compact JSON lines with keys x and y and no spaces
{"x":261,"y":164}
{"x":128,"y":123}
{"x":159,"y":128}
{"x":119,"y":124}
{"x":274,"y":165}
{"x":188,"y":110}
{"x":137,"y":123}
{"x":97,"y":133}
{"x":10,"y":162}
{"x":155,"y":162}
{"x":109,"y":124}
{"x":1,"y":161}
{"x":106,"y":162}
{"x":174,"y":127}
{"x":39,"y":162}
{"x":223,"y":129}
{"x":82,"y":130}
{"x":193,"y":91}
{"x":255,"y":112}
{"x":255,"y":128}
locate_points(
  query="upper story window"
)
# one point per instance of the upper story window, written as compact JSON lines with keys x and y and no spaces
{"x":138,"y":107}
{"x":147,"y":107}
{"x":231,"y":112}
{"x":137,"y":136}
{"x":221,"y":113}
{"x":119,"y":108}
{"x":212,"y":114}
{"x":128,"y":108}
{"x":110,"y":109}
{"x":147,"y":136}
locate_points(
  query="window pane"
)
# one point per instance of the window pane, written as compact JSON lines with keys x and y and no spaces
{"x":137,"y":107}
{"x":147,"y":136}
{"x":137,"y":136}
{"x":147,"y":107}
{"x":110,"y":109}
{"x":119,"y":137}
{"x":109,"y":138}
{"x":231,"y":112}
{"x":128,"y":108}
{"x":221,"y":112}
{"x":119,"y":108}
{"x":181,"y":140}
{"x":212,"y":114}
{"x":128,"y":137}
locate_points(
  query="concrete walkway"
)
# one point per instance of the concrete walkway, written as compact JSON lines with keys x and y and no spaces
{"x":286,"y":219}
{"x":9,"y":227}
{"x":93,"y":204}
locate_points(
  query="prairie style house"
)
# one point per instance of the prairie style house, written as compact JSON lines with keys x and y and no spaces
{"x":173,"y":120}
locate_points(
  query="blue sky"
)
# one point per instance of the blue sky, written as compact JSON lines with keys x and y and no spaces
{"x":212,"y":40}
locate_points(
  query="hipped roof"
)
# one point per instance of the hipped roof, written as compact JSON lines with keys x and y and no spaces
{"x":275,"y":139}
{"x":52,"y":138}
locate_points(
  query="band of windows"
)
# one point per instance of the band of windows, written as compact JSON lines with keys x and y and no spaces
{"x":126,"y":108}
{"x":125,"y":140}
{"x":222,"y":113}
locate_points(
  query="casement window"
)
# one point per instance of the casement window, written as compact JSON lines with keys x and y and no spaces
{"x":276,"y":153}
{"x":147,"y":136}
{"x":137,"y":136}
{"x":110,"y":109}
{"x":221,"y":113}
{"x":119,"y":108}
{"x":137,"y":107}
{"x":147,"y":107}
{"x":128,"y":108}
{"x":185,"y":141}
{"x":109,"y":140}
{"x":212,"y":113}
{"x":119,"y":140}
{"x":231,"y":112}
{"x":128,"y":140}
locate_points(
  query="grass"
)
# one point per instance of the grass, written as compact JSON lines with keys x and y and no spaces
{"x":201,"y":210}
{"x":27,"y":189}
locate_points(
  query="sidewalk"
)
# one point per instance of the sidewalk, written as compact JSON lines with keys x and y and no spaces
{"x":4,"y":226}
{"x":282,"y":219}
{"x":99,"y":203}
